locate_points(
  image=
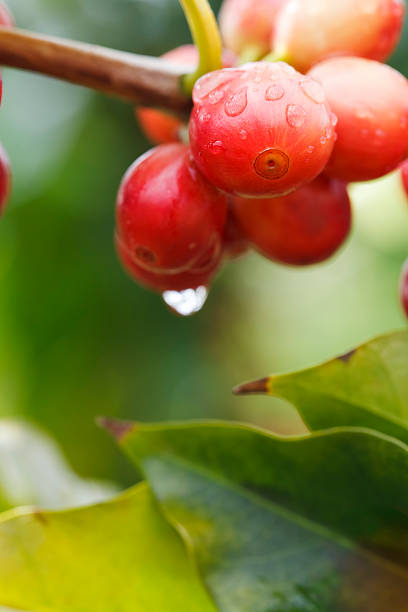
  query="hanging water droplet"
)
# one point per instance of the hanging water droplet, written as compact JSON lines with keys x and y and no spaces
{"x":313,"y":90}
{"x":236,"y":103}
{"x":186,"y":303}
{"x":295,"y":115}
{"x":274,"y":92}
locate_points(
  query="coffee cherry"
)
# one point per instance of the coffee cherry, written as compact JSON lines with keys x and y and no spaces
{"x":189,"y":279}
{"x":404,"y":288}
{"x":247,"y":26}
{"x":260,"y":130}
{"x":163,"y":127}
{"x":5,"y":179}
{"x":235,"y":243}
{"x":404,"y":175}
{"x":370,"y":101}
{"x":6,"y":18}
{"x":169,"y":218}
{"x":308,"y":32}
{"x":302,"y":228}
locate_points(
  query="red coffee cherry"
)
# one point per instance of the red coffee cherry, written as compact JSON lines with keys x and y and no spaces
{"x":404,"y":288}
{"x":302,"y":228}
{"x":247,"y":26}
{"x":309,"y":32}
{"x":163,"y":127}
{"x":189,"y":279}
{"x":260,"y":130}
{"x":370,"y":101}
{"x":404,"y":174}
{"x":235,"y":243}
{"x":6,"y":18}
{"x":5,"y":179}
{"x":169,"y":218}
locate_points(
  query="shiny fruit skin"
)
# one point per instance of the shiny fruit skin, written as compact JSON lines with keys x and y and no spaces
{"x":5,"y":179}
{"x":302,"y":228}
{"x":404,"y":175}
{"x":262,"y":130}
{"x":370,"y":101}
{"x":235,"y":243}
{"x":404,"y":288}
{"x":168,"y":216}
{"x":308,"y":32}
{"x":246,"y":24}
{"x":162,"y":127}
{"x":165,"y":282}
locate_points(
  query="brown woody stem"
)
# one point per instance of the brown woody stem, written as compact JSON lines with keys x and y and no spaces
{"x":135,"y":78}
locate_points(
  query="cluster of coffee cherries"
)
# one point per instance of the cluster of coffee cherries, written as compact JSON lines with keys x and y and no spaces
{"x":270,"y":146}
{"x":5,"y":172}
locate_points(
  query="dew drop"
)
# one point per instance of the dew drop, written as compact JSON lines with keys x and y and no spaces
{"x":334,"y":120}
{"x":313,"y":90}
{"x":310,"y":149}
{"x":295,"y":115}
{"x":243,"y":134}
{"x":323,"y":140}
{"x":216,"y":147}
{"x":216,"y":96}
{"x":257,"y":79}
{"x":236,"y":103}
{"x":186,"y":303}
{"x":274,"y":92}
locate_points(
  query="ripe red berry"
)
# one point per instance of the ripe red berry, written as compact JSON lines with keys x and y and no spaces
{"x":404,"y":174}
{"x":404,"y":288}
{"x":302,"y":228}
{"x":162,"y":127}
{"x":309,"y":32}
{"x":189,"y":279}
{"x":5,"y":179}
{"x":260,"y":130}
{"x":247,"y":26}
{"x":6,"y":18}
{"x":235,"y":243}
{"x":370,"y":101}
{"x":169,"y":218}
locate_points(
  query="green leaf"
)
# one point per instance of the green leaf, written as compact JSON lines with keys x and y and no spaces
{"x":119,"y":556}
{"x":367,"y":387}
{"x":312,"y":524}
{"x":34,"y":472}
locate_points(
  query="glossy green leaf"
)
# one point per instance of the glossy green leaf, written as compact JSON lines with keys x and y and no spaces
{"x":367,"y":387}
{"x":311,"y":524}
{"x":119,"y":556}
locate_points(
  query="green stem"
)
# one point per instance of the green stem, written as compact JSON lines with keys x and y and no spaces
{"x":206,"y":36}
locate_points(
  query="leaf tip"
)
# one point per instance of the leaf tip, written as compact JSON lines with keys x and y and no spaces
{"x":118,"y":429}
{"x":250,"y":388}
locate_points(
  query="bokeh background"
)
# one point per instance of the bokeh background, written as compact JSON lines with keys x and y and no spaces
{"x":77,"y":338}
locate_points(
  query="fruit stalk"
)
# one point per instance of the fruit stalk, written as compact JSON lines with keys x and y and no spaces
{"x":135,"y":78}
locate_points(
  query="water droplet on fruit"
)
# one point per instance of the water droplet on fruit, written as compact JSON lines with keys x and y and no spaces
{"x":310,"y":149}
{"x":334,"y":120}
{"x":216,"y":147}
{"x":186,"y":303}
{"x":216,"y":96}
{"x":274,"y":92}
{"x":243,"y":134}
{"x":236,"y":103}
{"x":257,"y":79}
{"x":313,"y":90}
{"x":272,"y":164}
{"x":295,"y":115}
{"x":362,"y":112}
{"x":323,"y":140}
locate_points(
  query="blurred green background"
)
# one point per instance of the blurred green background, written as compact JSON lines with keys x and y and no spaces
{"x":78,"y":338}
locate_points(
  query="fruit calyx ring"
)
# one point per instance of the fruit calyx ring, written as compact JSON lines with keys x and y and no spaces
{"x":272,"y":164}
